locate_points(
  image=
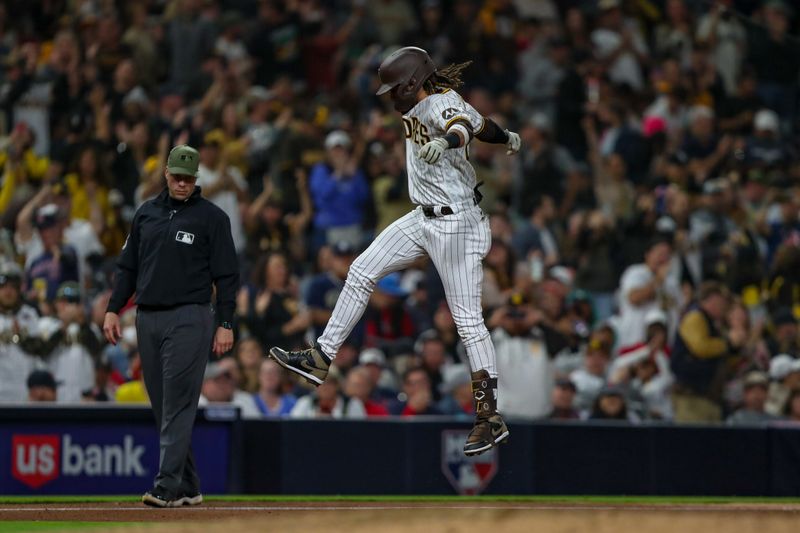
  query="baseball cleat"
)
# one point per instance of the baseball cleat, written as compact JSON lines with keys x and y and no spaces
{"x":485,"y":434}
{"x":158,"y":497}
{"x":490,"y":428}
{"x":310,"y":363}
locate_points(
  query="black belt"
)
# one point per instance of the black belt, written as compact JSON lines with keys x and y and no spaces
{"x":146,"y":307}
{"x":430,"y":212}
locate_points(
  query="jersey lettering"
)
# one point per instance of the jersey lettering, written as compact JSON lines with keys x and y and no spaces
{"x":416,"y":131}
{"x":452,"y":179}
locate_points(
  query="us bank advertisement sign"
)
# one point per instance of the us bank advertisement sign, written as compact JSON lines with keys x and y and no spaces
{"x":102,"y":459}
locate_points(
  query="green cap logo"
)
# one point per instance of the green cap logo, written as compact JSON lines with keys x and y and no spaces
{"x":183,"y":160}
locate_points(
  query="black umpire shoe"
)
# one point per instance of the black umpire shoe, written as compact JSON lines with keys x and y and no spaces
{"x":310,"y":363}
{"x":160,"y":497}
{"x":189,"y":499}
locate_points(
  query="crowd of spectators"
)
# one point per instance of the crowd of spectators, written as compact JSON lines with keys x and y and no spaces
{"x":645,"y":262}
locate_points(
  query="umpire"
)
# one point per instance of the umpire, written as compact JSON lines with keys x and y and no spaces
{"x":179,"y":245}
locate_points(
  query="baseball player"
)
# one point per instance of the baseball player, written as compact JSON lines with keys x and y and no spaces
{"x":447,"y":225}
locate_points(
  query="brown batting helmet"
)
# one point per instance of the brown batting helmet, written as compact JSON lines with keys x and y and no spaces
{"x":405,"y":69}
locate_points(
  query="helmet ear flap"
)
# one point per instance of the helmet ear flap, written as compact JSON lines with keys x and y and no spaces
{"x":410,"y":86}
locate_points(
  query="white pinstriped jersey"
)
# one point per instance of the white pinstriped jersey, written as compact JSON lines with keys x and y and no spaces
{"x":456,"y":243}
{"x":451,"y":179}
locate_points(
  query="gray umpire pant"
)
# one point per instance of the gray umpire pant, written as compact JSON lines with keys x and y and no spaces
{"x":174,"y":346}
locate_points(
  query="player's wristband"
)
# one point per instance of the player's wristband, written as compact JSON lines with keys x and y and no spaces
{"x":492,"y":133}
{"x":453,"y":140}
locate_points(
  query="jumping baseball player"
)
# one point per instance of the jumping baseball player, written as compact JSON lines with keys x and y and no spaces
{"x":447,"y":225}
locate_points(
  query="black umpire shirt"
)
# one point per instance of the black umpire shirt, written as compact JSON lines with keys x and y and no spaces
{"x":174,"y":252}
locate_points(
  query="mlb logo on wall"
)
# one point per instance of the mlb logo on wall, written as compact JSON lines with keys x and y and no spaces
{"x":468,"y":475}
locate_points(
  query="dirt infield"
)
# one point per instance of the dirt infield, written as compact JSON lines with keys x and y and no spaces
{"x":422,"y":517}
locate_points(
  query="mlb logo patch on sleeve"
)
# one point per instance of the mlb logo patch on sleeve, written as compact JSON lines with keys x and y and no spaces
{"x":185,"y":237}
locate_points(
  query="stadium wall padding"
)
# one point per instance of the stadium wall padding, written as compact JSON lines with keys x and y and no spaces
{"x":114,"y":450}
{"x":408,"y":457}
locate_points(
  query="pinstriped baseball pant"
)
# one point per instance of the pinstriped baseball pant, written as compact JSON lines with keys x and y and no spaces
{"x":456,"y":244}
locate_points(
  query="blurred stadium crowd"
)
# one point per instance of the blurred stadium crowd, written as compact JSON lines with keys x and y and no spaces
{"x":646,"y":254}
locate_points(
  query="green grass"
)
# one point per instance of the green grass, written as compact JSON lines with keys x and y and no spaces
{"x":67,"y":499}
{"x":26,"y":526}
{"x":434,"y":499}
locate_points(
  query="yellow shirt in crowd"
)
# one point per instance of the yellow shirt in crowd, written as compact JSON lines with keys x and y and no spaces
{"x":132,"y":392}
{"x":81,"y":204}
{"x":33,"y":166}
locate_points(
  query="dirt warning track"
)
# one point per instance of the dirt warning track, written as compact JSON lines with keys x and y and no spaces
{"x":423,"y":517}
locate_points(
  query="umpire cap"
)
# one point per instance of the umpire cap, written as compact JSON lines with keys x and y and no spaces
{"x":183,"y":160}
{"x":409,"y":66}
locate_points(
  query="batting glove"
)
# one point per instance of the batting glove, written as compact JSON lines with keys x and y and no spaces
{"x":433,"y":150}
{"x":513,"y":143}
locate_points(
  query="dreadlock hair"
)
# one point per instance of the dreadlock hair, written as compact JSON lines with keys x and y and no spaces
{"x":448,"y":77}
